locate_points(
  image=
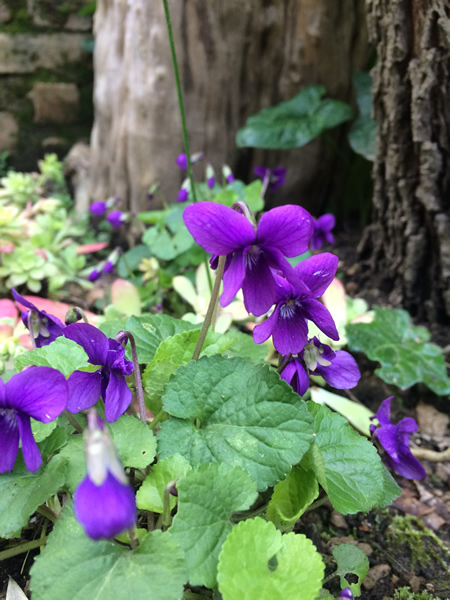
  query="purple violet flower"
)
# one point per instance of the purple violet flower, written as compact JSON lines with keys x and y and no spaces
{"x":98,"y":208}
{"x":395,"y":440}
{"x":346,"y":594}
{"x":322,"y":231}
{"x":182,"y":162}
{"x":44,"y":327}
{"x":183,"y":195}
{"x":294,"y":306}
{"x":109,"y":267}
{"x":37,"y":392}
{"x":116,"y":218}
{"x":251,"y":251}
{"x":211,"y":182}
{"x":339,"y":369}
{"x":104,"y":502}
{"x":276,"y":177}
{"x":108,"y":381}
{"x":94,"y":275}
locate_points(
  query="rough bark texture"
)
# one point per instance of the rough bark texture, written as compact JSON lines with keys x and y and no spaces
{"x":411,"y":231}
{"x":236,"y":57}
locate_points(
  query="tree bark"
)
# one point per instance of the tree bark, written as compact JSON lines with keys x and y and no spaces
{"x":410,"y":234}
{"x":236,"y":57}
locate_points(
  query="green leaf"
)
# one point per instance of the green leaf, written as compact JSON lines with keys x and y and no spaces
{"x":42,"y":430}
{"x":62,"y":354}
{"x":357,"y":414}
{"x":391,"y":490}
{"x":130,"y":260}
{"x":403,"y":350}
{"x":150,"y":495}
{"x":246,"y":415}
{"x":362,"y":134}
{"x":345,"y":463}
{"x":207,"y":497}
{"x":351,"y":559}
{"x":150,"y":330}
{"x":21,"y":492}
{"x":291,"y":498}
{"x":227,"y":197}
{"x":294,"y":123}
{"x":236,"y":343}
{"x":134,"y":441}
{"x":73,"y":566}
{"x":252,"y":196}
{"x":258,"y":563}
{"x":73,"y":455}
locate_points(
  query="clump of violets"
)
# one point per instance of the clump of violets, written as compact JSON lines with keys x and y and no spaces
{"x":395,"y":440}
{"x":37,"y":392}
{"x":108,"y":381}
{"x":104,"y":502}
{"x":43,"y":328}
{"x":339,"y":369}
{"x":272,"y":178}
{"x":106,"y":266}
{"x":322,"y":231}
{"x":252,"y":251}
{"x":295,"y":305}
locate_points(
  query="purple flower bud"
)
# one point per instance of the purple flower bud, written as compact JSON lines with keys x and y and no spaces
{"x":173,"y":491}
{"x":228,"y":174}
{"x":211,"y":182}
{"x":182,"y":162}
{"x":116,"y":218}
{"x":104,"y":502}
{"x":159,"y":306}
{"x":346,"y":594}
{"x":98,"y":208}
{"x":94,"y":275}
{"x":109,"y":267}
{"x":183,"y":195}
{"x":230,"y":178}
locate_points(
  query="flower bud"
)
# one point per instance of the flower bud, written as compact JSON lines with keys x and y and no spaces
{"x":210,"y":178}
{"x":227,"y":174}
{"x":98,"y":208}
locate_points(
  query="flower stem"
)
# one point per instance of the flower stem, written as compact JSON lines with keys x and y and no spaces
{"x":284,"y":362}
{"x":137,"y":373}
{"x":30,"y":329}
{"x":73,"y":421}
{"x":211,"y":308}
{"x":157,"y":418}
{"x":265,"y":184}
{"x":166,"y":516}
{"x":180,"y":98}
{"x":21,"y":548}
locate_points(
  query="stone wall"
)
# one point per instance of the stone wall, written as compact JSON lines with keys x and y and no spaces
{"x":46,"y":77}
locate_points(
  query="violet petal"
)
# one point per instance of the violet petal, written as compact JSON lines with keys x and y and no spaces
{"x":318,"y":272}
{"x":233,"y":278}
{"x":84,"y":390}
{"x":387,"y":434}
{"x":91,"y":339}
{"x":31,"y":453}
{"x":316,"y":312}
{"x":258,"y":286}
{"x":407,"y":466}
{"x":343,"y":373}
{"x":286,"y":228}
{"x":384,"y":412}
{"x":264,"y":330}
{"x":290,"y":334}
{"x":117,"y":398}
{"x":9,"y":439}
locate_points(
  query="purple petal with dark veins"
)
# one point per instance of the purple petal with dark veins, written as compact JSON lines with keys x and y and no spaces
{"x":258,"y":286}
{"x":316,"y":312}
{"x":277,"y":262}
{"x":105,"y":510}
{"x":117,"y":397}
{"x":217,"y":228}
{"x":407,"y":466}
{"x":233,"y":277}
{"x":384,"y":412}
{"x":40,"y":392}
{"x":290,"y":334}
{"x":9,"y":439}
{"x":318,"y":272}
{"x":287,"y":229}
{"x":91,"y":339}
{"x":295,"y":374}
{"x":343,"y":373}
{"x":84,"y":390}
{"x":387,"y":434}
{"x":31,"y":453}
{"x":264,"y":330}
{"x":2,"y":394}
{"x":115,"y":358}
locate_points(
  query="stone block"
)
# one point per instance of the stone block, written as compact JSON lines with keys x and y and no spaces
{"x":8,"y":132}
{"x":25,"y":53}
{"x":55,"y":102}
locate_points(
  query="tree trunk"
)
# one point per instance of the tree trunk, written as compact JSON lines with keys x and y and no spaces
{"x":236,"y":57}
{"x":410,"y":234}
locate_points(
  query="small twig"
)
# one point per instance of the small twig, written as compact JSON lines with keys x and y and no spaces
{"x":73,"y":421}
{"x":47,"y":512}
{"x":136,"y":371}
{"x":317,"y":503}
{"x":211,"y":307}
{"x":431,"y":455}
{"x":21,"y":548}
{"x":284,"y":362}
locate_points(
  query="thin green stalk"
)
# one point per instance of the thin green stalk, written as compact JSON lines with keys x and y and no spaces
{"x":211,"y":308}
{"x":166,"y":516}
{"x":180,"y":97}
{"x":136,"y":372}
{"x":73,"y":421}
{"x":157,"y":418}
{"x":21,"y":548}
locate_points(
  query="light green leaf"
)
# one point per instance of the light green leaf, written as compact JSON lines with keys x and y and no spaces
{"x":150,"y":495}
{"x":351,"y":559}
{"x":21,"y":492}
{"x":73,"y":566}
{"x":403,"y":350}
{"x":245,"y":414}
{"x":134,"y":441}
{"x":150,"y":330}
{"x":291,"y":497}
{"x":125,"y":297}
{"x":362,"y":134}
{"x":258,"y":563}
{"x":73,"y":455}
{"x":227,"y":197}
{"x":130,"y":260}
{"x":294,"y":123}
{"x":207,"y":497}
{"x":62,"y":354}
{"x":253,"y":196}
{"x":346,"y":464}
{"x":41,"y":430}
{"x":357,"y":414}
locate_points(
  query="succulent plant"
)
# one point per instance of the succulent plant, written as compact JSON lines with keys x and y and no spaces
{"x":25,"y":266}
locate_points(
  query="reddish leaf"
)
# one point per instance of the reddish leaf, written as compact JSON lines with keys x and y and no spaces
{"x":7,"y":308}
{"x":95,"y":247}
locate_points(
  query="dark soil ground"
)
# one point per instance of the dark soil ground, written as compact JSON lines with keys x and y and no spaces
{"x":407,"y":543}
